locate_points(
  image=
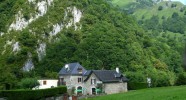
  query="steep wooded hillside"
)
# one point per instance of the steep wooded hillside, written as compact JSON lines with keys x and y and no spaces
{"x":39,"y":36}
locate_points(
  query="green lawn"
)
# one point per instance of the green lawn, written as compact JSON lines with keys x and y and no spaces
{"x":123,"y":3}
{"x":165,"y":93}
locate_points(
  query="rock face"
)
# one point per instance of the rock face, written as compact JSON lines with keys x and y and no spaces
{"x":40,"y":11}
{"x":28,"y":65}
{"x":41,"y":51}
{"x":21,"y":23}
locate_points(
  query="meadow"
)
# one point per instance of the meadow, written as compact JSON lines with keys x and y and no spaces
{"x":163,"y":93}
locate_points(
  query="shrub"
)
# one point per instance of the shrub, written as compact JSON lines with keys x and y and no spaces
{"x":181,"y":79}
{"x":137,"y":85}
{"x":32,"y":94}
{"x":161,"y":78}
{"x":29,"y":83}
{"x":173,"y":5}
{"x":136,"y":76}
{"x":160,"y":8}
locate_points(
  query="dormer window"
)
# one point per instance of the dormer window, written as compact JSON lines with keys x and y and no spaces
{"x":80,"y":70}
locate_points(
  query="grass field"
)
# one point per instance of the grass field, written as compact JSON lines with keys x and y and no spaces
{"x":164,"y":93}
{"x":150,"y":11}
{"x":122,"y":3}
{"x":166,"y":12}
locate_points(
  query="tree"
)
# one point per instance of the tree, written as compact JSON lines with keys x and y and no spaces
{"x":29,"y":83}
{"x":175,"y":15}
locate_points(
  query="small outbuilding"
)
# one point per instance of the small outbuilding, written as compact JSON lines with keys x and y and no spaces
{"x":47,"y":83}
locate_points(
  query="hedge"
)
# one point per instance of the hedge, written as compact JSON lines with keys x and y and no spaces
{"x":137,"y":85}
{"x":32,"y":94}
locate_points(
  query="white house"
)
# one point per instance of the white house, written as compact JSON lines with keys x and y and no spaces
{"x":47,"y":83}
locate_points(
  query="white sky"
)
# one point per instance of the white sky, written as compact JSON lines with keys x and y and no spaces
{"x":183,"y":1}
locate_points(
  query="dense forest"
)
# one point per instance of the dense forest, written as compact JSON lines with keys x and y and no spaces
{"x":107,"y":38}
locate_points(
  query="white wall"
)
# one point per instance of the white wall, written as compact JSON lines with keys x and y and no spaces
{"x":49,"y":84}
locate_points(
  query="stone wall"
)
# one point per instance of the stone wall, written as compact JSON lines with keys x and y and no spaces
{"x":72,"y":81}
{"x":88,"y":84}
{"x":111,"y":88}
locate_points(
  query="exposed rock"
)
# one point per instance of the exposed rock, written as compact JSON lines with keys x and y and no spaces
{"x":28,"y":65}
{"x":16,"y":47}
{"x":56,"y":29}
{"x":21,"y":23}
{"x":41,"y":51}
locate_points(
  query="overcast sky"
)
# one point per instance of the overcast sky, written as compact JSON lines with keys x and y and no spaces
{"x":183,"y":1}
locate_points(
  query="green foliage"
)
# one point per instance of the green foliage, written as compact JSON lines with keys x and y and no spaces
{"x":7,"y":79}
{"x":136,"y":77}
{"x":6,"y":13}
{"x":162,"y":78}
{"x":160,"y":8}
{"x":136,"y":85}
{"x":32,"y":94}
{"x":106,"y":39}
{"x":27,"y":40}
{"x":181,"y":79}
{"x":51,"y":75}
{"x":173,"y":5}
{"x":29,"y":83}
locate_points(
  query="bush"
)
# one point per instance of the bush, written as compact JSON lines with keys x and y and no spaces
{"x":137,"y":85}
{"x":160,"y":8}
{"x":181,"y":79}
{"x":136,"y":76}
{"x":32,"y":94}
{"x":29,"y":83}
{"x":173,"y":5}
{"x":161,"y":78}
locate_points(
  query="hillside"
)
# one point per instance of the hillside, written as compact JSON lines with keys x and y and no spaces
{"x":145,"y":9}
{"x":166,"y":11}
{"x":167,"y":93}
{"x":39,"y":36}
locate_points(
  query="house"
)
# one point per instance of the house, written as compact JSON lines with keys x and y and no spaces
{"x":85,"y":82}
{"x":47,"y":83}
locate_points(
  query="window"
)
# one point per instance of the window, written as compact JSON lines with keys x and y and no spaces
{"x":80,"y":70}
{"x":79,"y":80}
{"x":61,"y":79}
{"x":44,"y":82}
{"x":62,"y":82}
{"x":93,"y":81}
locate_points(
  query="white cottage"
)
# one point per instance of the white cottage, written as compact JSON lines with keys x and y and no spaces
{"x":47,"y":83}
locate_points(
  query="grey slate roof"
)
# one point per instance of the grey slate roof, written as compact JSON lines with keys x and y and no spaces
{"x":107,"y":76}
{"x":87,"y":73}
{"x":73,"y":69}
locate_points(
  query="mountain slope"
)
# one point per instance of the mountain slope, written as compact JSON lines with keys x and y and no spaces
{"x":43,"y":35}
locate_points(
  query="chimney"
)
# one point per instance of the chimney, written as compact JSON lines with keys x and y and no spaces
{"x":67,"y":67}
{"x":117,"y":69}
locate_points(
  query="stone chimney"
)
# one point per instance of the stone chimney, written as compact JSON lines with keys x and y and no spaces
{"x":117,"y":69}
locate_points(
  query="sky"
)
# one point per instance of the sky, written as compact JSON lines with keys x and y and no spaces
{"x":183,"y":1}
